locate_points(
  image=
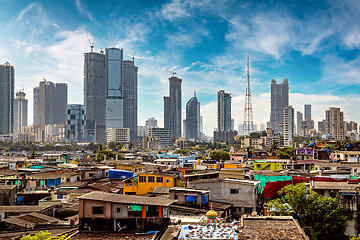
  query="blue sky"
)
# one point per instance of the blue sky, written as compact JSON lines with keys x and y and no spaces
{"x":315,"y":44}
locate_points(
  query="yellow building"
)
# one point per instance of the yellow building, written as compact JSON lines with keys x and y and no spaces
{"x":147,"y":182}
{"x":273,"y":166}
{"x":133,"y":167}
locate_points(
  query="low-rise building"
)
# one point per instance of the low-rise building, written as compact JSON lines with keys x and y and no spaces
{"x":116,"y":212}
{"x":146,"y":183}
{"x":242,"y":194}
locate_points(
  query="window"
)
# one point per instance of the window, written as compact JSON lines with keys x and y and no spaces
{"x":159,"y":179}
{"x":118,"y":210}
{"x":142,"y":179}
{"x":168,"y":181}
{"x":234,"y":191}
{"x":248,"y":210}
{"x":176,"y":197}
{"x":72,"y":116}
{"x":98,"y":210}
{"x":151,"y":179}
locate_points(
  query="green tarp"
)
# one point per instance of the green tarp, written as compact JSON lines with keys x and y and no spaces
{"x":264,"y":179}
{"x":137,"y":208}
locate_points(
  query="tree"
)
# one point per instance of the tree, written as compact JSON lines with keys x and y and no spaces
{"x":44,"y":236}
{"x":322,"y":216}
{"x":286,"y":153}
{"x":219,"y":155}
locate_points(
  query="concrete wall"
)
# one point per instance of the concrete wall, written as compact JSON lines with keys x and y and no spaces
{"x":220,"y":190}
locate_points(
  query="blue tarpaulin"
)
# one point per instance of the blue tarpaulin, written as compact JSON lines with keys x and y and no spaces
{"x":53,"y":182}
{"x":119,"y":174}
{"x":204,"y":199}
{"x":19,"y":200}
{"x":190,"y":198}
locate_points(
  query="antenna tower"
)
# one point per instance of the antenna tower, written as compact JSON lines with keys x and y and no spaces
{"x":248,"y":116}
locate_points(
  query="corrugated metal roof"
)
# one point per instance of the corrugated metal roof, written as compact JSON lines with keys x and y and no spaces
{"x":127,"y":199}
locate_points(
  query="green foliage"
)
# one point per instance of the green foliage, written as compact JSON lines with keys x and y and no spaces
{"x":219,"y":155}
{"x":355,"y":237}
{"x":255,"y":135}
{"x":32,"y":155}
{"x":181,"y":183}
{"x":322,"y":215}
{"x":286,"y":153}
{"x":44,"y":236}
{"x":182,"y":151}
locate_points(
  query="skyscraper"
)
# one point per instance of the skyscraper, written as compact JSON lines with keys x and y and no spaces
{"x":20,"y":111}
{"x":114,"y":93}
{"x":130,"y":83}
{"x":307,"y":119}
{"x":7,"y":80}
{"x":75,"y":125}
{"x":172,"y":107}
{"x":307,"y":111}
{"x":95,"y":93}
{"x":299,"y":121}
{"x":334,"y":123}
{"x":279,"y":100}
{"x":192,"y":123}
{"x":224,"y":111}
{"x":288,"y":125}
{"x":50,"y":100}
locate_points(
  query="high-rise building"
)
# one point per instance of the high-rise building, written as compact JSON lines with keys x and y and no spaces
{"x":307,"y":111}
{"x":50,"y":100}
{"x":288,"y":125}
{"x":350,"y":126}
{"x":130,"y":83}
{"x":172,"y":107}
{"x":75,"y":125}
{"x":20,"y":111}
{"x":7,"y":79}
{"x":241,"y":129}
{"x":95,"y":93}
{"x":321,"y":126}
{"x":114,"y":93}
{"x":118,"y":135}
{"x":299,"y":122}
{"x":334,"y":123}
{"x":150,"y":123}
{"x":162,"y":134}
{"x":232,"y":125}
{"x":192,"y":123}
{"x":224,"y":111}
{"x":279,"y":100}
{"x":60,"y":103}
{"x":262,"y":127}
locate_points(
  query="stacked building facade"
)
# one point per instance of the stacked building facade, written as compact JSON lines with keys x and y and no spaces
{"x":7,"y":80}
{"x":20,"y":111}
{"x":192,"y":123}
{"x":279,"y":100}
{"x":172,"y":107}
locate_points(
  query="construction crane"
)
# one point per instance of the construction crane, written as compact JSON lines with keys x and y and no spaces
{"x":133,"y":56}
{"x":112,"y":42}
{"x":173,"y":73}
{"x":91,"y":43}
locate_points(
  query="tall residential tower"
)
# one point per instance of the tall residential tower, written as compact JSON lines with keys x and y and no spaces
{"x":279,"y":100}
{"x":20,"y":111}
{"x":172,"y":107}
{"x":7,"y":80}
{"x":224,"y":111}
{"x":192,"y":123}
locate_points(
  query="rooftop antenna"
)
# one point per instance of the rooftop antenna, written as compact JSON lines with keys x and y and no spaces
{"x":248,"y":116}
{"x":133,"y":56}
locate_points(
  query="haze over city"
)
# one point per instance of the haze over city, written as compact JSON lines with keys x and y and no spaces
{"x":313,"y":44}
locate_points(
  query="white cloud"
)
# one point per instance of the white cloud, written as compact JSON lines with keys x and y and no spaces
{"x":22,"y":13}
{"x":175,"y":10}
{"x":83,"y":10}
{"x":352,"y":39}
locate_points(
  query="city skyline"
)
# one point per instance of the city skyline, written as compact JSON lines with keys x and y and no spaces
{"x":42,"y":39}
